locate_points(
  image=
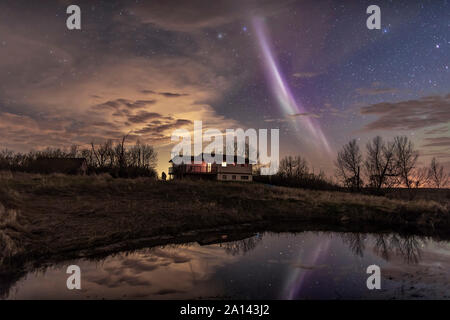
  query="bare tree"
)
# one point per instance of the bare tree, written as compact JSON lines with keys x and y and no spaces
{"x":405,"y":160}
{"x":436,"y":174}
{"x":142,"y":156}
{"x":102,"y":153}
{"x":420,"y":178}
{"x":73,"y":153}
{"x":293,"y":167}
{"x":287,"y":167}
{"x":380,"y":163}
{"x":301,"y":167}
{"x":120,"y":154}
{"x":114,"y":158}
{"x":348,"y":164}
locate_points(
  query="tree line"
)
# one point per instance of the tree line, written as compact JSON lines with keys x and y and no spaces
{"x":294,"y":171}
{"x":110,"y":157}
{"x":386,"y":164}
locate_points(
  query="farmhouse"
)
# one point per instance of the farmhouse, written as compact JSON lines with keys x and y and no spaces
{"x":239,"y":170}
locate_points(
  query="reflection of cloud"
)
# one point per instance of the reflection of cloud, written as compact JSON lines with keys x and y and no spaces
{"x":116,"y":282}
{"x":164,"y":292}
{"x":411,"y":114}
{"x":161,"y":272}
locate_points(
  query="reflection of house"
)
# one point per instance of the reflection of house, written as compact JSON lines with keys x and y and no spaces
{"x":59,"y":165}
{"x":239,"y":170}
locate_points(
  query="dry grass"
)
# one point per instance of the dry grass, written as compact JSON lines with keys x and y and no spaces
{"x":44,"y":215}
{"x":8,"y":222}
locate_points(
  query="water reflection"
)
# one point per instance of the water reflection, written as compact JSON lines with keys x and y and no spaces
{"x":241,"y":247}
{"x":264,"y":266}
{"x":408,"y":247}
{"x":386,"y":245}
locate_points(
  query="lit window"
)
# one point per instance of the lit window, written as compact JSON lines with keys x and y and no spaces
{"x":224,"y":164}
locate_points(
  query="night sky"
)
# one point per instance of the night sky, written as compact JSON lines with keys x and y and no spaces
{"x":310,"y":68}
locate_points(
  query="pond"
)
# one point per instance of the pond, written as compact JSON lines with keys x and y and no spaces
{"x":307,"y":265}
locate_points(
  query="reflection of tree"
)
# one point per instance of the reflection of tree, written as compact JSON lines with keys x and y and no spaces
{"x":355,"y":241}
{"x":406,"y":246}
{"x":241,"y":246}
{"x":382,"y":246}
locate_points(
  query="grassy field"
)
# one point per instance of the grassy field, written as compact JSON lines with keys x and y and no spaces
{"x":46,"y":216}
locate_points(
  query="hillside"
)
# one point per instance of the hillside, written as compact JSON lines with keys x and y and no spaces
{"x":46,"y":216}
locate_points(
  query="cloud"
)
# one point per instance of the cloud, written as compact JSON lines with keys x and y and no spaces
{"x":410,"y":114}
{"x":143,"y":116}
{"x":118,"y":103}
{"x":165,"y":94}
{"x":292,"y":117}
{"x":173,"y":95}
{"x":306,"y":75}
{"x":437,"y":142}
{"x":375,"y":91}
{"x":170,"y":15}
{"x":444,"y":129}
{"x":438,"y":154}
{"x":157,"y":127}
{"x":304,"y":114}
{"x":146,"y":91}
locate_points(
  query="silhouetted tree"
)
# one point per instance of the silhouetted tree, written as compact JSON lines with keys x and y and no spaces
{"x":436,"y":174}
{"x":348,"y":164}
{"x":380,"y":163}
{"x":405,"y":161}
{"x":116,"y":159}
{"x":293,"y":167}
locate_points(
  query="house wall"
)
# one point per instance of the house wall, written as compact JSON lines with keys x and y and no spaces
{"x":231,"y":172}
{"x":234,"y":177}
{"x":237,"y":169}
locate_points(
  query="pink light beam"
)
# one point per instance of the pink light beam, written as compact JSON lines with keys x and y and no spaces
{"x":281,"y":90}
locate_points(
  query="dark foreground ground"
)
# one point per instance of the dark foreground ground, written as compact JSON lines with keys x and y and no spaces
{"x":57,"y":216}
